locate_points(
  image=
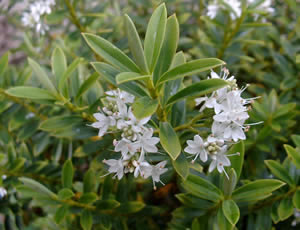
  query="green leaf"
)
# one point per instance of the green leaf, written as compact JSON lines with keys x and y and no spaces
{"x":168,"y":49}
{"x":4,"y":62}
{"x":285,"y":209}
{"x":109,"y":72}
{"x":198,"y":89}
{"x":237,"y":161}
{"x":155,"y":35}
{"x":65,"y":194}
{"x":296,"y":140}
{"x":41,"y":75}
{"x":58,"y":63}
{"x":88,"y":198}
{"x":67,"y":174}
{"x":293,"y":154}
{"x":169,"y":140}
{"x":202,"y":188}
{"x":229,"y":184}
{"x":181,"y":166}
{"x":279,"y":171}
{"x":135,"y":44}
{"x":60,"y":122}
{"x":130,"y":207}
{"x":231,"y":211}
{"x":256,"y":190}
{"x":190,"y":68}
{"x":38,"y":187}
{"x":110,"y":53}
{"x":88,"y":83}
{"x":30,"y":93}
{"x":89,"y":181}
{"x":144,"y":107}
{"x":107,"y":204}
{"x":221,"y":222}
{"x":86,"y":220}
{"x":61,"y":213}
{"x":71,"y":68}
{"x":130,"y":76}
{"x":296,"y":199}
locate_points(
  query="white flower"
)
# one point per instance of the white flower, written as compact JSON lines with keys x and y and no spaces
{"x":219,"y":160}
{"x":3,"y":192}
{"x":120,"y":95}
{"x":115,"y":166}
{"x":103,"y":123}
{"x":196,"y":147}
{"x":155,"y":172}
{"x":147,"y":143}
{"x":136,"y":125}
{"x":125,"y":146}
{"x":263,"y":5}
{"x":141,"y":166}
{"x":215,"y":6}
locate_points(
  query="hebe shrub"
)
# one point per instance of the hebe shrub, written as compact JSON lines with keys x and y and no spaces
{"x":120,"y":123}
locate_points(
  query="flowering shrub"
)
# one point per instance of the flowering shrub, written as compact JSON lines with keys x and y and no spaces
{"x":151,"y":131}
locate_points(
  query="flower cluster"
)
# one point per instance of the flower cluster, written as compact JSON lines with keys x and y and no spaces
{"x":136,"y":138}
{"x":228,"y":123}
{"x":236,"y":7}
{"x":34,"y":18}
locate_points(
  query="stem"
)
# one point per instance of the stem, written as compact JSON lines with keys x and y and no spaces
{"x":74,"y":17}
{"x":229,"y":36}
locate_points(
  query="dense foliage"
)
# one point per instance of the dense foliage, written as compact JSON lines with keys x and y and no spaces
{"x":124,"y":115}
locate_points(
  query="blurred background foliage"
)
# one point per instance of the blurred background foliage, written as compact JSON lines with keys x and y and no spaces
{"x":262,"y":51}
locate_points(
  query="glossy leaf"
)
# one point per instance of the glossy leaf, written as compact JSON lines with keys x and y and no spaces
{"x":110,"y":53}
{"x":87,"y":84}
{"x":202,"y":188}
{"x":135,"y":44}
{"x":285,"y":209}
{"x":30,"y":93}
{"x":60,"y":122}
{"x":58,"y":63}
{"x":86,"y":220}
{"x":169,"y":140}
{"x":296,"y":199}
{"x":181,"y":166}
{"x":190,"y":68}
{"x":197,"y":89}
{"x":130,"y":207}
{"x":231,"y":211}
{"x":65,"y":194}
{"x":237,"y":161}
{"x":168,"y":49}
{"x":67,"y":73}
{"x":154,"y":35}
{"x":130,"y":76}
{"x":229,"y":184}
{"x":256,"y":190}
{"x":279,"y":171}
{"x":67,"y":174}
{"x":41,"y":75}
{"x":144,"y":107}
{"x":293,"y":154}
{"x":38,"y":187}
{"x":61,"y":213}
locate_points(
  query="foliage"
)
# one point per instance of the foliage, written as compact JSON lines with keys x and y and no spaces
{"x":53,"y":161}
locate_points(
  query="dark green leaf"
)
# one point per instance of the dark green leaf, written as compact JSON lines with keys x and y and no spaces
{"x":198,"y":89}
{"x":58,"y":63}
{"x":190,"y":68}
{"x":181,"y":166}
{"x":110,"y":53}
{"x":65,"y":194}
{"x":285,"y":209}
{"x":130,"y":207}
{"x":87,"y":84}
{"x":130,"y":76}
{"x":67,"y":174}
{"x":256,"y":190}
{"x":279,"y":171}
{"x":237,"y":160}
{"x":144,"y":107}
{"x":88,"y":198}
{"x":296,"y":199}
{"x":59,"y":122}
{"x":231,"y":211}
{"x":30,"y":93}
{"x":4,"y":62}
{"x":293,"y":154}
{"x":155,"y":35}
{"x":135,"y":44}
{"x":61,"y":213}
{"x":169,"y":140}
{"x":86,"y":220}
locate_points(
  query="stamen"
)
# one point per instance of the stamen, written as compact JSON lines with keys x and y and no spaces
{"x":226,"y":173}
{"x":234,"y":154}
